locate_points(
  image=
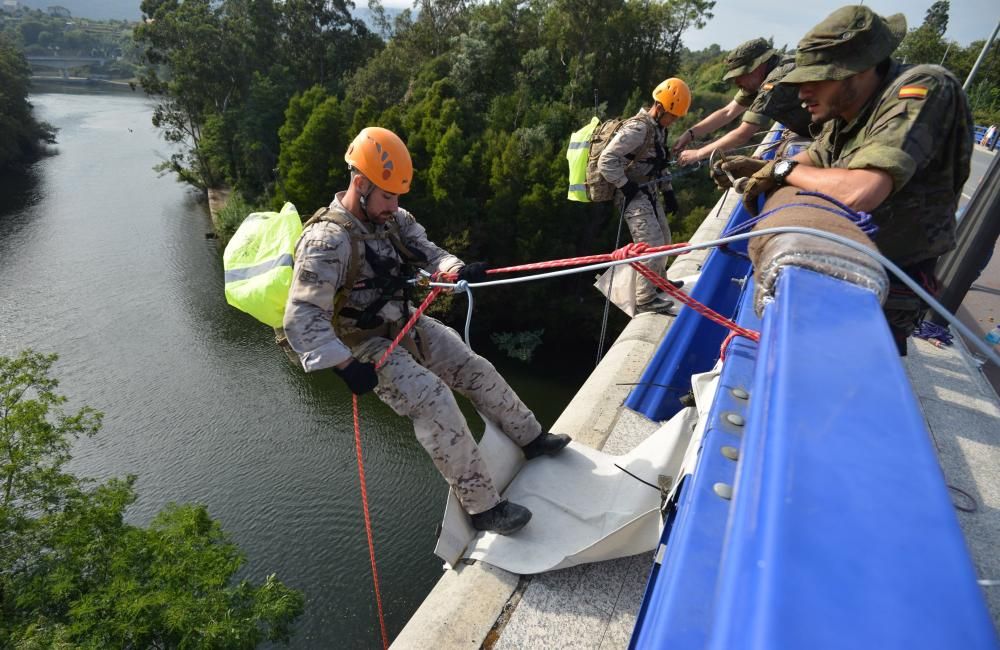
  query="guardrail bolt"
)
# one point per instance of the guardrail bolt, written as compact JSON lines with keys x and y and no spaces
{"x":724,"y":490}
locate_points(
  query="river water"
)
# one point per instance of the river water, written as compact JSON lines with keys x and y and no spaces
{"x":108,"y":264}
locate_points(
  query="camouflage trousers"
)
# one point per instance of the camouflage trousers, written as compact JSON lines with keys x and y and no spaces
{"x":903,"y":308}
{"x":422,"y":392}
{"x":648,"y":225}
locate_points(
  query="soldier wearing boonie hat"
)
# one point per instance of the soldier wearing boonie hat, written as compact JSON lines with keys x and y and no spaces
{"x":892,"y":140}
{"x":756,"y":69}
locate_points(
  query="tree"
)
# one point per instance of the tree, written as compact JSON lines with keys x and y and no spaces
{"x":74,"y":574}
{"x":936,"y":18}
{"x":21,"y":135}
{"x":926,"y":43}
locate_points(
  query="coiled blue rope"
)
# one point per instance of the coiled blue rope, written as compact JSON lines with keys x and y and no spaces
{"x":862,"y":220}
{"x":932,"y":331}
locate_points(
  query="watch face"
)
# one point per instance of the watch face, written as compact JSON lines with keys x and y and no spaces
{"x":782,"y":167}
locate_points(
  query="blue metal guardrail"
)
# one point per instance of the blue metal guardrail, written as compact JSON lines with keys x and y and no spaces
{"x":692,"y":343}
{"x":840,"y":532}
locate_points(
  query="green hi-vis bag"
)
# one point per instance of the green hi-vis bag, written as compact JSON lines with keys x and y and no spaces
{"x":258,"y":263}
{"x":577,"y":154}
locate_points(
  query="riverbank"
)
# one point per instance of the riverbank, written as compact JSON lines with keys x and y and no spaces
{"x":41,"y":83}
{"x":218,"y":197}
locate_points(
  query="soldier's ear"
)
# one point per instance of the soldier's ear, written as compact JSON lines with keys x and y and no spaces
{"x":360,"y":183}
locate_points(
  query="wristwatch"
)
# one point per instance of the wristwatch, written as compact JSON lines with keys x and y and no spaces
{"x":782,"y":169}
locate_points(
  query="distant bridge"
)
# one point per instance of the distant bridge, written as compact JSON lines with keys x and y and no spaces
{"x":65,"y":63}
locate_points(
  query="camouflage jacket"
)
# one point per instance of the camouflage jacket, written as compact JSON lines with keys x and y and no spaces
{"x":322,"y":260}
{"x":779,"y":102}
{"x":916,"y":128}
{"x":625,"y":146}
{"x":747,"y":98}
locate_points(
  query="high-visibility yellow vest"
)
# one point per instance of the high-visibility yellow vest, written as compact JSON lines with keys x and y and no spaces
{"x":258,"y":263}
{"x":577,"y":154}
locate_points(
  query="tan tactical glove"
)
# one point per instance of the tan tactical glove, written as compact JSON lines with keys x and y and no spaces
{"x":737,"y":166}
{"x":760,"y":182}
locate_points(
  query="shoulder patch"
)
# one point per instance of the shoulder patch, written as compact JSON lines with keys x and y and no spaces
{"x":913,"y":92}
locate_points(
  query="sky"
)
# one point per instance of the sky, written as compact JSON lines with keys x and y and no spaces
{"x":735,"y":21}
{"x":787,"y":21}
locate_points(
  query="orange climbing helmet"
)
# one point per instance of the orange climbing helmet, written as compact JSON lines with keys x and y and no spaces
{"x":382,"y":157}
{"x":674,"y":95}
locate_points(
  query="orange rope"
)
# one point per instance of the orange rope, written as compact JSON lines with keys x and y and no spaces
{"x":368,"y":524}
{"x":409,"y":324}
{"x":632,"y":251}
{"x":361,"y":465}
{"x":704,"y":310}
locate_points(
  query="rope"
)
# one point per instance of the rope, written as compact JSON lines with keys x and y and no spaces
{"x":368,"y":524}
{"x":933,"y":333}
{"x":600,"y":258}
{"x":702,"y":309}
{"x":862,"y":220}
{"x":409,"y":324}
{"x":607,"y":298}
{"x":593,"y":263}
{"x":361,"y":465}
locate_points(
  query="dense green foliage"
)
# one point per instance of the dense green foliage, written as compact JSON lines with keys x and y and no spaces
{"x":41,"y":34}
{"x":484,"y":94}
{"x":21,"y":136}
{"x":926,"y":44}
{"x":266,"y":95}
{"x":74,"y":574}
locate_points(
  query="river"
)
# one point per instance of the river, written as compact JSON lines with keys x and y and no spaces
{"x":107,"y":263}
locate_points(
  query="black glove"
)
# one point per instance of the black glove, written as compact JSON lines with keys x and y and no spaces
{"x":670,"y":204}
{"x":473,"y":272}
{"x":630,"y":189}
{"x":359,"y":377}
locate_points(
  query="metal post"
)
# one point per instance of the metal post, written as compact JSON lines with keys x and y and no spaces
{"x":977,"y":235}
{"x":982,"y":55}
{"x":946,"y":50}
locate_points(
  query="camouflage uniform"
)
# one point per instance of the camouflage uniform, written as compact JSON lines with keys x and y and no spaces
{"x":778,"y":102}
{"x":622,"y":161}
{"x":771,"y":101}
{"x":915,"y":128}
{"x":419,"y":388}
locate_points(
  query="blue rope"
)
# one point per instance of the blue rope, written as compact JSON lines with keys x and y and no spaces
{"x":933,"y":332}
{"x":862,"y":220}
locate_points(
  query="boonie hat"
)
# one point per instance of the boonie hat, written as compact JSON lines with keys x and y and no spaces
{"x":850,"y":40}
{"x":747,"y":56}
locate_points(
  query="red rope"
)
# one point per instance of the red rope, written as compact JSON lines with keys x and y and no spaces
{"x":632,"y":250}
{"x":409,"y":324}
{"x":704,"y":310}
{"x":361,"y":465}
{"x":368,"y":524}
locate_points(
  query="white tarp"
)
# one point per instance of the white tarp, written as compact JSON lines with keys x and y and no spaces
{"x":584,"y":508}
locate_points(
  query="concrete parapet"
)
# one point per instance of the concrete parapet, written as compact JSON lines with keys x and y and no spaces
{"x":465,"y":604}
{"x":460,"y":610}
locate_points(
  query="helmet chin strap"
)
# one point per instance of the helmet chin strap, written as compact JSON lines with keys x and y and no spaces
{"x":363,"y":199}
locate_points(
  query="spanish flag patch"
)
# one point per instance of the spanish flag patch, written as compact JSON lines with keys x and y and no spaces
{"x":913,"y":92}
